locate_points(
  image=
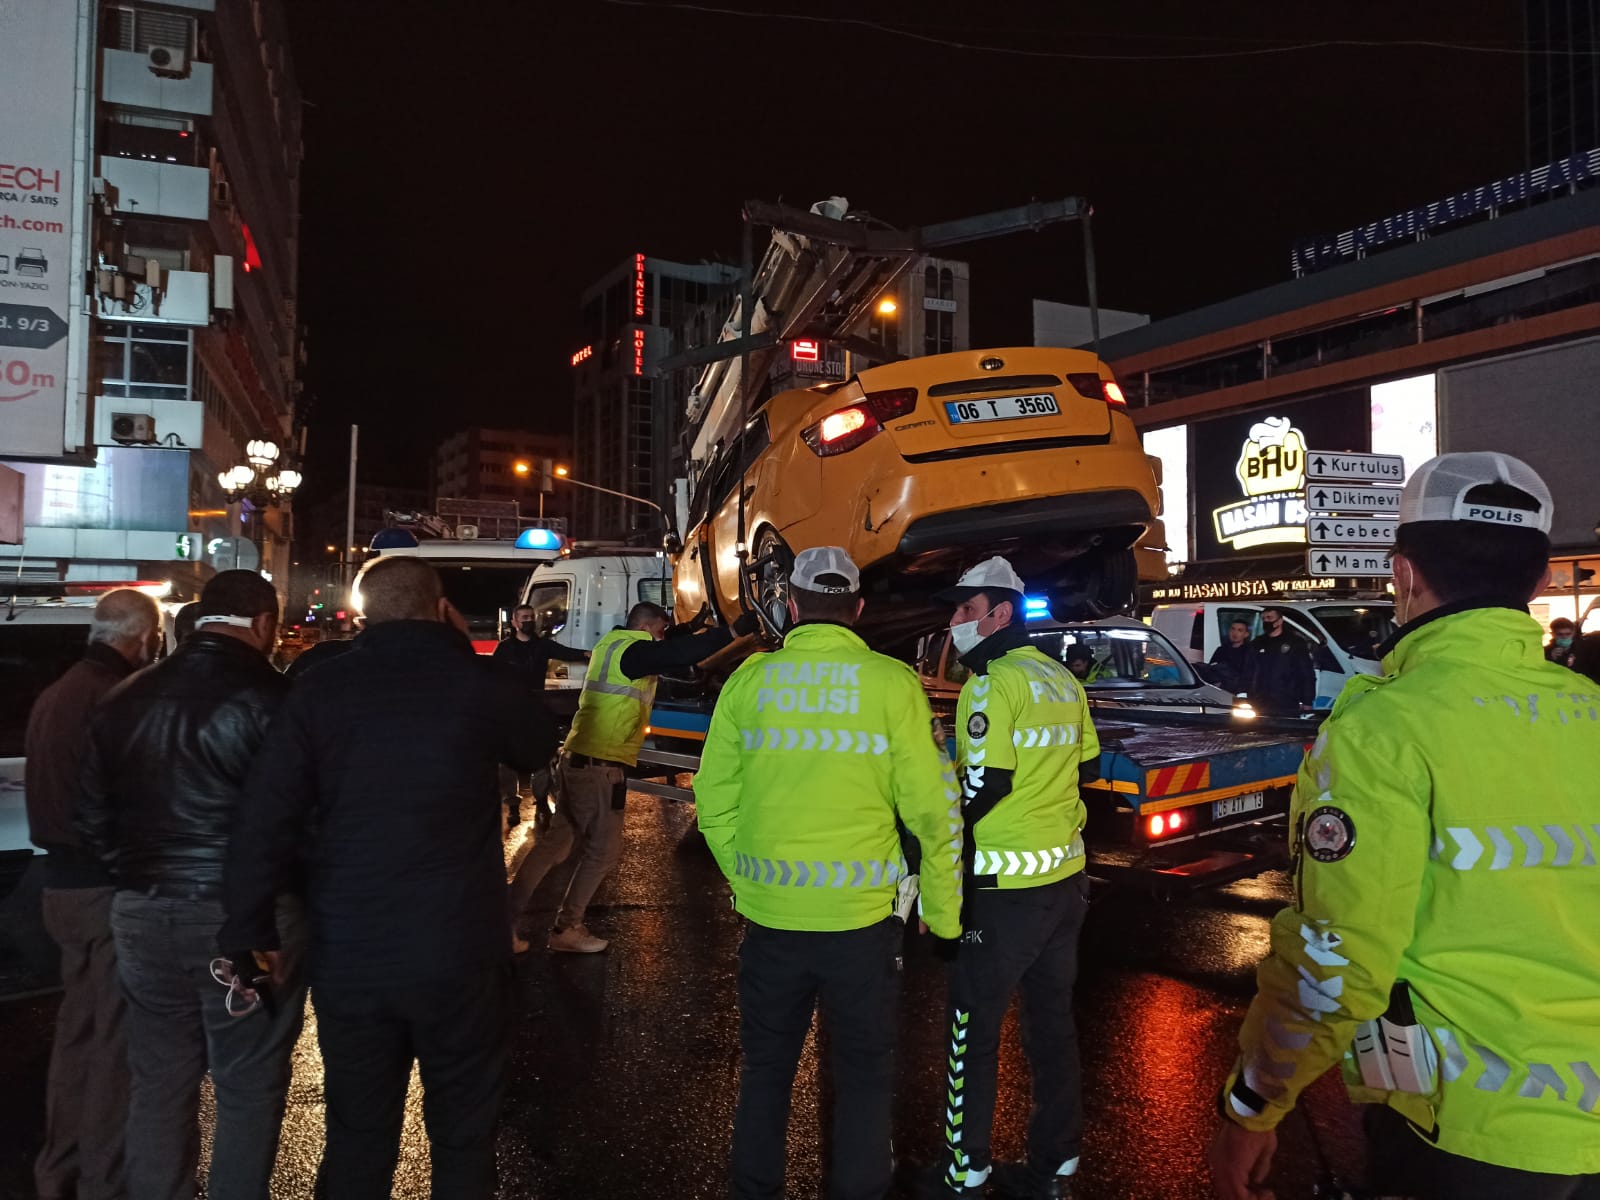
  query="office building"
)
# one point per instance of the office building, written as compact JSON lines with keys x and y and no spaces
{"x":149,"y":215}
{"x":502,"y":464}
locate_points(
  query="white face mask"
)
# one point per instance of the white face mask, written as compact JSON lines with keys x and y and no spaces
{"x":967,"y":634}
{"x":1404,"y":601}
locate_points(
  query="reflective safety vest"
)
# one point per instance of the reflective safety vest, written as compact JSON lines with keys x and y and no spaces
{"x":1027,"y":715}
{"x":613,"y":710}
{"x":1445,"y":939}
{"x":813,"y":751}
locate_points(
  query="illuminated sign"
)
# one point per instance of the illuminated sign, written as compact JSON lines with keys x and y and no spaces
{"x":252,"y":256}
{"x":1413,"y":224}
{"x":638,"y":286}
{"x":1239,"y":589}
{"x":583,"y":355}
{"x":1271,"y":470}
{"x":805,"y":350}
{"x":638,"y":350}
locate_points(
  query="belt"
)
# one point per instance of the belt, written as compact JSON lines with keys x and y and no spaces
{"x":179,"y":891}
{"x":583,"y":762}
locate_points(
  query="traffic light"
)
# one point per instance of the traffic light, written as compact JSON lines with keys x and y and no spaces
{"x":547,"y":475}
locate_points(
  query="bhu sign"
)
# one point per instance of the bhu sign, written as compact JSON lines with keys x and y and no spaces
{"x":1272,"y":475}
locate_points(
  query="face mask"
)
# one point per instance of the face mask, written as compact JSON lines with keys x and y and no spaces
{"x":1564,"y":642}
{"x":1402,"y":605}
{"x":967,"y":634}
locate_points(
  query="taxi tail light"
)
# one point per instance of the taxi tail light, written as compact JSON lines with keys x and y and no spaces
{"x":846,"y":428}
{"x":1092,"y":387}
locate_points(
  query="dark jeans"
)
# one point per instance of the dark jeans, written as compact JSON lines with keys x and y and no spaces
{"x":782,"y":976}
{"x":1400,"y":1162}
{"x":1027,"y":939}
{"x":455,"y":1028}
{"x":177,"y":1027}
{"x":86,"y":1105}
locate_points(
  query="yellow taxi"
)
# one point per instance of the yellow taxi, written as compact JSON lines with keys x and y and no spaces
{"x":921,"y":467}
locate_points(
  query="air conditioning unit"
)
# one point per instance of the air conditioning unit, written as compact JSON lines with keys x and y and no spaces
{"x":133,"y":428}
{"x":466,"y":533}
{"x":168,"y":60}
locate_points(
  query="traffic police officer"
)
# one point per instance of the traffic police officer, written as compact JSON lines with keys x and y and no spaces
{"x":607,"y":733}
{"x":1026,"y":743}
{"x":1444,"y":942}
{"x":813,"y":752}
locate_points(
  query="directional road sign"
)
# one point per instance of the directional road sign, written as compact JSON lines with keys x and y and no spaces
{"x":31,"y":326}
{"x":1323,"y":466}
{"x":1351,"y":531}
{"x":1352,"y":498}
{"x":1349,"y":562}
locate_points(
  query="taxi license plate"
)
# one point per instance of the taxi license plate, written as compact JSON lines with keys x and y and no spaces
{"x":1001,"y":408}
{"x":1234,"y":805}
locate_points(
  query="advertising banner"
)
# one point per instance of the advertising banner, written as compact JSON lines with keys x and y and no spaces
{"x":39,"y":64}
{"x":1248,"y":472}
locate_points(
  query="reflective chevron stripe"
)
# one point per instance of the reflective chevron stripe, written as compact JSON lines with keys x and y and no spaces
{"x":1498,"y":849}
{"x":789,"y":872}
{"x":1025,"y":862}
{"x":955,"y":1084}
{"x":1532,"y":1079}
{"x":836,"y":741}
{"x":1045,"y":735}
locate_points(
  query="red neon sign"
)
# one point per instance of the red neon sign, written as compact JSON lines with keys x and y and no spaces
{"x":583,"y":355}
{"x":805,"y":350}
{"x":252,"y":256}
{"x":638,"y":285}
{"x":638,"y":350}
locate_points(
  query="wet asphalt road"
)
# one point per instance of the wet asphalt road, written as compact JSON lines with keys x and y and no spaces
{"x":625,"y":1064}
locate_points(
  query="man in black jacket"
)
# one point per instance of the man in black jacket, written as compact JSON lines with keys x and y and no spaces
{"x":529,"y":653}
{"x":87,"y":1097}
{"x":1283,"y":683}
{"x":385,"y":764}
{"x":1232,"y":659}
{"x":163,"y":779}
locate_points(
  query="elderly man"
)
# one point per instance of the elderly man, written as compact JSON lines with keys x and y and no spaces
{"x":87,"y":1096}
{"x":163,"y":778}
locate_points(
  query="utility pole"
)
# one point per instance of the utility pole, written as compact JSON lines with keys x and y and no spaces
{"x":347,"y":576}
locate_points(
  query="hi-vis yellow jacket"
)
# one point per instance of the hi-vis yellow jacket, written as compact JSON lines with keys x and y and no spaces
{"x":1445,"y":941}
{"x":1026,"y":716}
{"x":813,"y":750}
{"x":613,"y":710}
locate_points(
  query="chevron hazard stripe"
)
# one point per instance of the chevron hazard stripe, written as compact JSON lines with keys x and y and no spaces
{"x":1169,"y":781}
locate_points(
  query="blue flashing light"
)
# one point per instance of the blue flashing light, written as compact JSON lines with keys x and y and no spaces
{"x":1035,"y":606}
{"x":393,"y":539}
{"x":538,"y":539}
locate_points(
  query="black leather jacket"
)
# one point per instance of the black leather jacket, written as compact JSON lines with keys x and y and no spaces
{"x":167,"y":756}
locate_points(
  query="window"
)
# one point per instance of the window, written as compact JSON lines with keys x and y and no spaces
{"x":137,"y":29}
{"x":145,"y":361}
{"x":550,"y":602}
{"x":155,"y":139}
{"x":1110,"y":658}
{"x":1358,"y":628}
{"x":656,"y":590}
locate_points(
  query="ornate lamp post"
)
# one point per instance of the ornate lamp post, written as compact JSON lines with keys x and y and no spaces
{"x":260,"y":481}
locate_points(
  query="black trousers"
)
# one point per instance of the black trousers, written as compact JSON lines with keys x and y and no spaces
{"x":1402,"y":1163}
{"x":455,"y":1029}
{"x":783,"y":974}
{"x":1024,"y":939}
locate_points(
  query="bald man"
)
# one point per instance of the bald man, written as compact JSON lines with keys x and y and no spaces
{"x":87,"y":1096}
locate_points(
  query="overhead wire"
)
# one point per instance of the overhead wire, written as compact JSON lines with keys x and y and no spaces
{"x":1260,"y":51}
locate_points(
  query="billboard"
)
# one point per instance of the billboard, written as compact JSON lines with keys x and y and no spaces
{"x":38,"y":279}
{"x":1247,"y":472}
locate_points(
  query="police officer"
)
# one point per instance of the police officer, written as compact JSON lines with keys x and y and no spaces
{"x":1443,"y":944}
{"x":606,"y":734}
{"x":1026,"y":743}
{"x":812,"y":753}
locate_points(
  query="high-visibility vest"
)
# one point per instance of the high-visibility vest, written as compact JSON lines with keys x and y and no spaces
{"x":1444,"y":944}
{"x":1028,"y":715}
{"x":613,"y":710}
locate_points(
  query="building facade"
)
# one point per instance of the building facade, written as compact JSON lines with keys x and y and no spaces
{"x":1482,"y":336}
{"x":149,"y":245}
{"x":502,"y":464}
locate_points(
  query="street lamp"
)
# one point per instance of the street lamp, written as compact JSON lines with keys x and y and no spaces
{"x":521,"y":468}
{"x":887,"y":307}
{"x":563,"y":473}
{"x":260,"y":481}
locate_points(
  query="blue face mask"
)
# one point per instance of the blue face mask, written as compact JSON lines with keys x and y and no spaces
{"x":1564,"y":640}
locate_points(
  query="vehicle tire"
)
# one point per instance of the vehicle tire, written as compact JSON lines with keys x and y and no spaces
{"x":1104,"y":583}
{"x":772,"y":581}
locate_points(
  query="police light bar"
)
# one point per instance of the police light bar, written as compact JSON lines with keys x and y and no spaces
{"x":538,"y":539}
{"x":1035,"y":606}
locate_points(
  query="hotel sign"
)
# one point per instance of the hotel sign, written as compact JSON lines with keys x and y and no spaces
{"x":1271,"y":470}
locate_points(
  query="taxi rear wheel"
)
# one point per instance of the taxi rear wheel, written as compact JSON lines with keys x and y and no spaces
{"x":774,"y":561}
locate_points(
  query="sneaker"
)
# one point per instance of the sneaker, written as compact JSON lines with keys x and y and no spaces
{"x":576,"y":940}
{"x":1018,"y":1181}
{"x":519,"y":944}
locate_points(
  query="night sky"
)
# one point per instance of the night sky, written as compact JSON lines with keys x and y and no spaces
{"x":471,"y":167}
